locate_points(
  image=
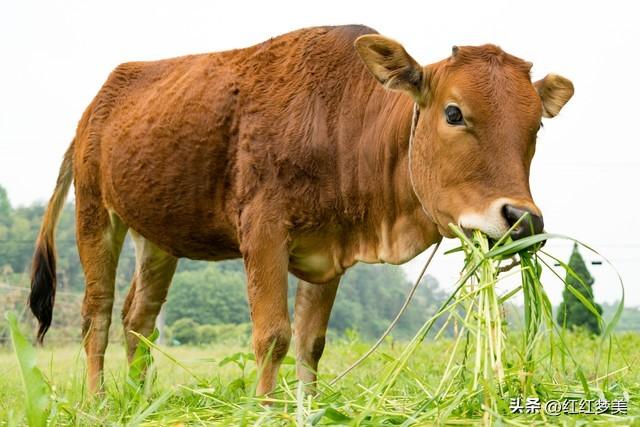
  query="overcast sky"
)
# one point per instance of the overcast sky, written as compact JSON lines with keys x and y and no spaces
{"x":56,"y":55}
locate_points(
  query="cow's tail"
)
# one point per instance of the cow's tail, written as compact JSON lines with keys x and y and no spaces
{"x":43,"y":270}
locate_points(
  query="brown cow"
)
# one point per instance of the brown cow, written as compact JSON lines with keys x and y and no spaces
{"x":292,"y":156}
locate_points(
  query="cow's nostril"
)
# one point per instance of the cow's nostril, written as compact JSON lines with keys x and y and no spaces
{"x":532,"y":224}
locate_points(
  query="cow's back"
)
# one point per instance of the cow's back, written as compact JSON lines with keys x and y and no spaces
{"x":180,"y":145}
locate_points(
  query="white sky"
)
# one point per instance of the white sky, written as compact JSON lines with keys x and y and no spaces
{"x":56,"y":55}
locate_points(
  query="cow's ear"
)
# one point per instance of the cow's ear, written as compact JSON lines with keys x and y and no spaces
{"x":554,"y":91}
{"x":391,"y":65}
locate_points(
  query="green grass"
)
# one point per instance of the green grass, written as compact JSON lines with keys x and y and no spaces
{"x":223,"y":398}
{"x":467,"y":379}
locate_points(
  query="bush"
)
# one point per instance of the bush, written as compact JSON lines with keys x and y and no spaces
{"x":185,"y":331}
{"x":230,"y":333}
{"x":207,"y":334}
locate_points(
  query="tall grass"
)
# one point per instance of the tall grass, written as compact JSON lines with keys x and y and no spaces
{"x":470,"y":377}
{"x":485,"y":369}
{"x":36,"y":389}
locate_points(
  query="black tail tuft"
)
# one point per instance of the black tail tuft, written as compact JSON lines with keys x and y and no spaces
{"x":43,"y":286}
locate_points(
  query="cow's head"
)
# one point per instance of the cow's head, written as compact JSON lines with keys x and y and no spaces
{"x":479,"y":114}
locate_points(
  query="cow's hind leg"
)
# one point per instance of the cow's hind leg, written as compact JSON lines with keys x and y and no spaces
{"x":312,"y":311}
{"x":99,"y":236}
{"x":128,"y":301}
{"x":154,"y":271}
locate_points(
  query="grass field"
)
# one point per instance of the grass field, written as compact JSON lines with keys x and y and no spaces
{"x":492,"y":371}
{"x":198,"y":391}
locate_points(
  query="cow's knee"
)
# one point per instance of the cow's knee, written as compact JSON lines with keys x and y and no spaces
{"x":274,"y":345}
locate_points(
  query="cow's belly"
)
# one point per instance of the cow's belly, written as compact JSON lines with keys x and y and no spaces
{"x":178,"y":199}
{"x":181,"y":233}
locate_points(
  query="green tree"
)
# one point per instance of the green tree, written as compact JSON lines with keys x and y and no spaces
{"x":208,"y":296}
{"x":5,"y":230}
{"x":5,"y":207}
{"x":17,"y":234}
{"x":572,"y":312}
{"x":370,"y":296}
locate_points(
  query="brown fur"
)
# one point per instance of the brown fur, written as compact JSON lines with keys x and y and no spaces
{"x":289,"y":155}
{"x":312,"y":311}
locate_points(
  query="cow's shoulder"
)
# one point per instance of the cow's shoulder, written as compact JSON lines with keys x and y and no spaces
{"x":351,"y":32}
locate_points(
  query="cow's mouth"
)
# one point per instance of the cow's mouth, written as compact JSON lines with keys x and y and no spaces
{"x":493,"y":227}
{"x":469,"y":233}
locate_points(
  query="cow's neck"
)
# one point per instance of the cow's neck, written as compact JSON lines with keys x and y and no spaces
{"x":397,"y":228}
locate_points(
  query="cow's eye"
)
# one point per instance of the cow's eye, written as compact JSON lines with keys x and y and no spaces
{"x":453,"y":115}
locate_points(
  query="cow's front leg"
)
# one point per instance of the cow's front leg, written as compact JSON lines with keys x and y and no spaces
{"x":312,"y":311}
{"x":264,"y":249}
